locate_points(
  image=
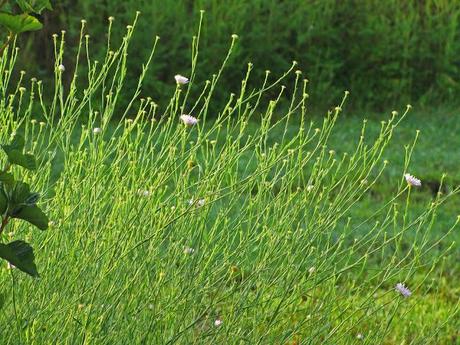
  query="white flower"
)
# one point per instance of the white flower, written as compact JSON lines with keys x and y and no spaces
{"x":311,"y":270}
{"x":180,"y":79}
{"x":97,"y":130}
{"x":197,"y":203}
{"x":61,"y":68}
{"x":412,"y":180}
{"x":310,"y":188}
{"x":218,"y":322}
{"x":403,"y":290}
{"x":360,"y":336}
{"x":188,"y":250}
{"x":188,"y":120}
{"x":144,"y":193}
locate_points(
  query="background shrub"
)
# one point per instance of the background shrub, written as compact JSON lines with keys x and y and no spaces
{"x":389,"y":52}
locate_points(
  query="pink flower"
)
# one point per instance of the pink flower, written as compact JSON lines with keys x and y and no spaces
{"x":412,"y":180}
{"x":218,"y":322}
{"x":403,"y":290}
{"x":180,"y":79}
{"x":188,"y":120}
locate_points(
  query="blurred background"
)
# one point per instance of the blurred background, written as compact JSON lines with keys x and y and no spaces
{"x":386,"y":53}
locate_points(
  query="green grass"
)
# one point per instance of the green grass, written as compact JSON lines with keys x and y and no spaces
{"x":295,"y":242}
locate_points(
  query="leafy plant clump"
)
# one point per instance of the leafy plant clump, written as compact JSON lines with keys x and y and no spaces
{"x":16,"y":199}
{"x":17,"y":17}
{"x":18,"y":202}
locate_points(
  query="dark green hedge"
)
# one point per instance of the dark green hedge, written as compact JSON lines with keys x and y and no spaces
{"x":386,"y":52}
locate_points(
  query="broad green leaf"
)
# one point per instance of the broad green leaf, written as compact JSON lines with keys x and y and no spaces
{"x":36,"y":6}
{"x":34,"y":216}
{"x":32,"y":199}
{"x":23,"y":159}
{"x":15,"y":155}
{"x":3,"y":201}
{"x":18,"y":193}
{"x":21,"y":255}
{"x":6,"y":178}
{"x":20,"y":22}
{"x":17,"y":143}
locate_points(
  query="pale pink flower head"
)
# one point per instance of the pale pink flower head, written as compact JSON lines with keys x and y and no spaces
{"x":403,"y":290}
{"x":61,"y":68}
{"x":188,"y":120}
{"x":180,"y":79}
{"x":218,"y":322}
{"x":412,"y":180}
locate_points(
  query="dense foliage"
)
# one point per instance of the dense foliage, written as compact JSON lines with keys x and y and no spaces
{"x":387,"y":52}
